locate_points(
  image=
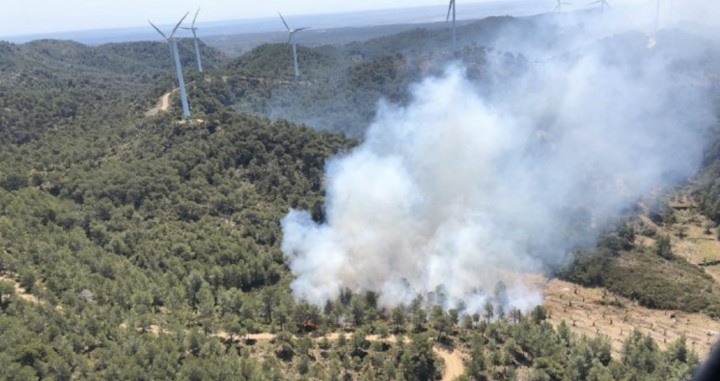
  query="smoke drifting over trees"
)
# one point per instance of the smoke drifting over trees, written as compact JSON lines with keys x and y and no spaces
{"x":458,"y":191}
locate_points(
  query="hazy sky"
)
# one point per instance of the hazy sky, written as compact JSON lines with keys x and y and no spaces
{"x":22,"y":17}
{"x":19,"y":17}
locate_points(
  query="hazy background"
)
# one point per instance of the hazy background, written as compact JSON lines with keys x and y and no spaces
{"x":94,"y":22}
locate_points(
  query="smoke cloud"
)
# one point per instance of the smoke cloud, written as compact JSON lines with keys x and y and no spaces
{"x":458,"y":191}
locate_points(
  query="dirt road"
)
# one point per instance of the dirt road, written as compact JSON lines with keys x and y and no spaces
{"x":454,"y":366}
{"x":163,"y":104}
{"x":165,"y":101}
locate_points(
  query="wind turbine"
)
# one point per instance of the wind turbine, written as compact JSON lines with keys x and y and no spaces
{"x":172,"y":41}
{"x":291,"y":40}
{"x":451,"y":7}
{"x":603,"y":4}
{"x":560,"y":3}
{"x":193,"y":29}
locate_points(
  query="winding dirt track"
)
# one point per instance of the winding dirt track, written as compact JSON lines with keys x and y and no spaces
{"x":163,"y":104}
{"x":165,"y":101}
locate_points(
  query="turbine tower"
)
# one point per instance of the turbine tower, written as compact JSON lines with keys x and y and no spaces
{"x":193,"y":29}
{"x":451,"y":7}
{"x":291,"y":40}
{"x":172,"y":41}
{"x":560,"y":3}
{"x":603,"y":4}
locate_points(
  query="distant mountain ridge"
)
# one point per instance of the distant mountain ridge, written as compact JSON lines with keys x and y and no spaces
{"x":371,"y":18}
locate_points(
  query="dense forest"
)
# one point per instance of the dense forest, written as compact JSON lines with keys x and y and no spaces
{"x":140,"y":247}
{"x":48,"y":84}
{"x":340,"y":86}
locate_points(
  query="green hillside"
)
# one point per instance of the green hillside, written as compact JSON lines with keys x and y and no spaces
{"x":48,"y":84}
{"x":141,"y":247}
{"x":339,"y":88}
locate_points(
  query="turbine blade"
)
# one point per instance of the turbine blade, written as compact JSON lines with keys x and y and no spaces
{"x":178,"y":24}
{"x":195,"y":18}
{"x":299,"y":29}
{"x":283,"y":20}
{"x":449,"y":9}
{"x":158,"y":30}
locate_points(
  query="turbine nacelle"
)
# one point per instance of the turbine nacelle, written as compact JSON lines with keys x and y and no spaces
{"x":172,"y":34}
{"x":291,"y":31}
{"x":192,"y":26}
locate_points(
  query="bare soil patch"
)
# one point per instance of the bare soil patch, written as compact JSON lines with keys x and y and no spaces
{"x":594,"y":311}
{"x":19,"y":291}
{"x":163,"y":104}
{"x":454,"y":366}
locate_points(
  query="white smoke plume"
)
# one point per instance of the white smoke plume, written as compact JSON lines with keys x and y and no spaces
{"x":457,"y":191}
